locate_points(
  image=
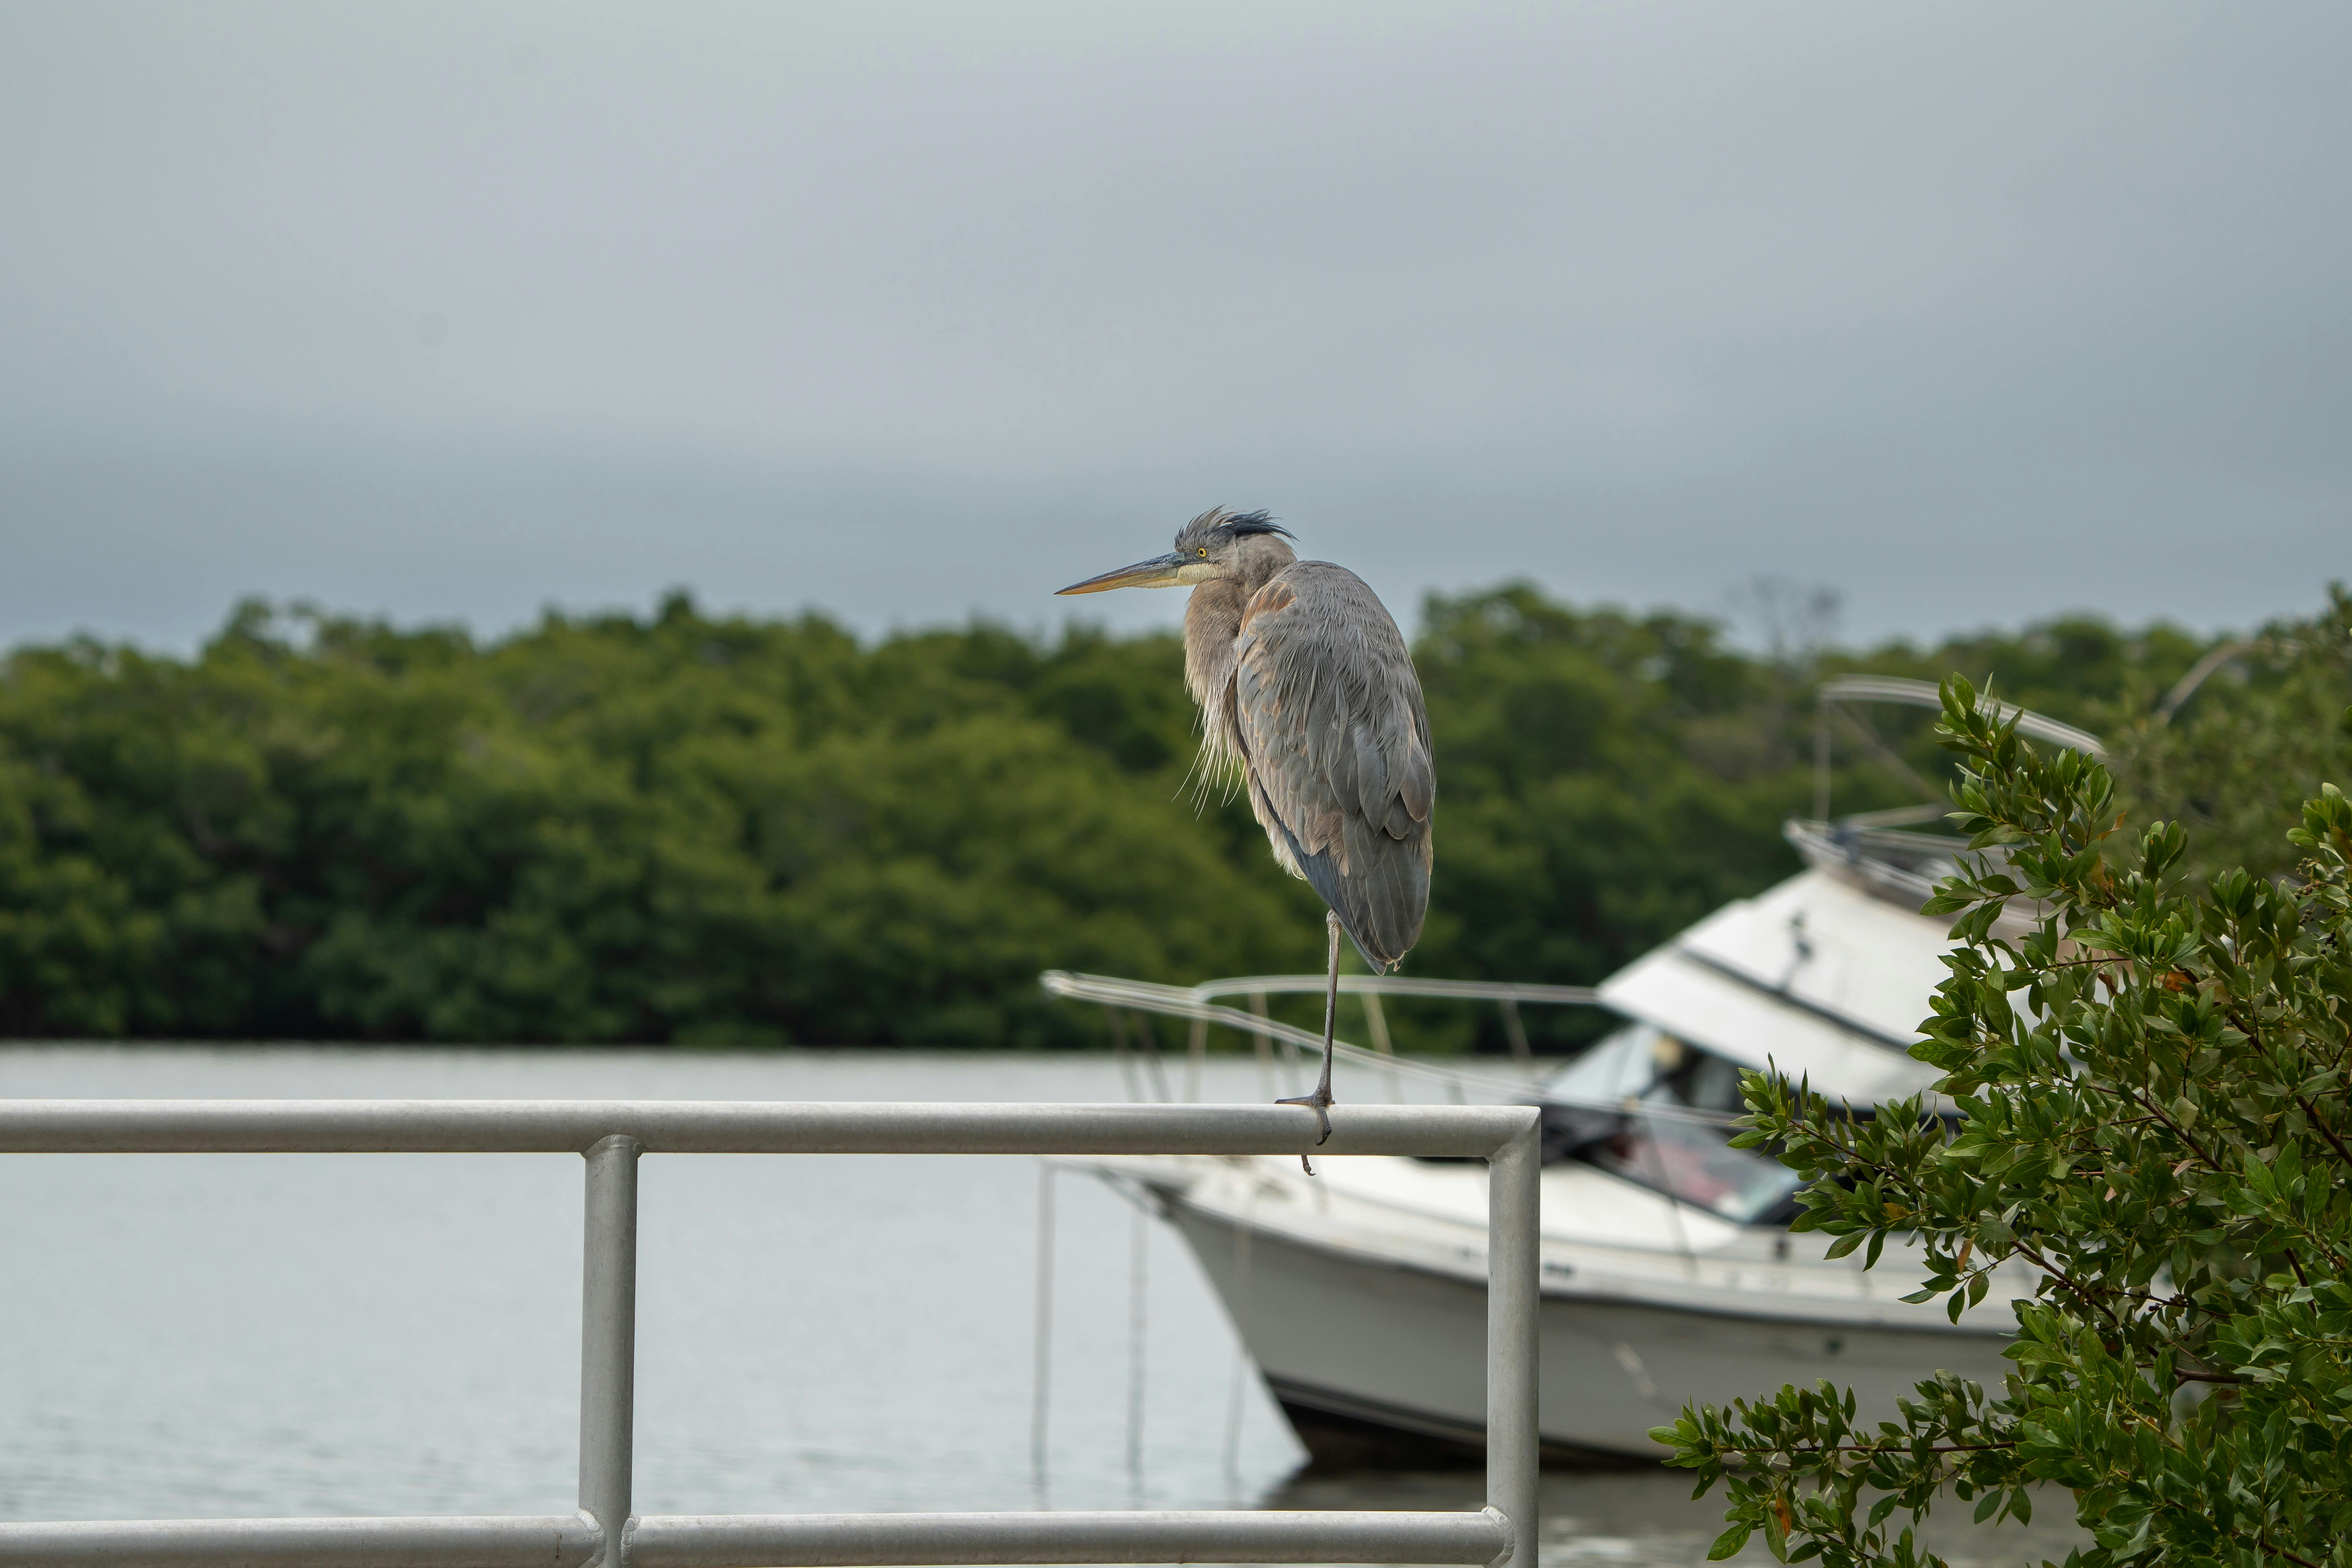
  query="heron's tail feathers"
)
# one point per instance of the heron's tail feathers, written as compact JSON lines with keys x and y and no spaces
{"x":1382,"y":898}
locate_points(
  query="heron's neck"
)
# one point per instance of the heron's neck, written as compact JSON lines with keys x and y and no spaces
{"x":1213,"y":620}
{"x":1260,"y":557}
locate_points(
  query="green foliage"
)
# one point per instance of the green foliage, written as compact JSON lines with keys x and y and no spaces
{"x":691,"y":829}
{"x":682,"y":830}
{"x":2153,"y":1115}
{"x":2239,"y":756}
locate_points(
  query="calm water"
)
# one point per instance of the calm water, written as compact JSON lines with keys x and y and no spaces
{"x":191,"y":1335}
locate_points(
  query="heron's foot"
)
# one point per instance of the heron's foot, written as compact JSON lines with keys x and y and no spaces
{"x":1320,"y":1103}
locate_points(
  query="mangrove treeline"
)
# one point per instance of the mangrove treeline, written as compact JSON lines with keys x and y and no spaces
{"x":692,"y":829}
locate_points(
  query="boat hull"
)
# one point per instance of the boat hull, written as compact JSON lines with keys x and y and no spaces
{"x":1383,"y":1363}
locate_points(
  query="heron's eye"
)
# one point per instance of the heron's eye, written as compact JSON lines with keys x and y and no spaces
{"x":1205,"y":552}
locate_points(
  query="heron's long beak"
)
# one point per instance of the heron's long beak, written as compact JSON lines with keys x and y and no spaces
{"x":1159,"y":572}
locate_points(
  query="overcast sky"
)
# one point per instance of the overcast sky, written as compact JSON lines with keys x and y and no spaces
{"x":1972,"y":311}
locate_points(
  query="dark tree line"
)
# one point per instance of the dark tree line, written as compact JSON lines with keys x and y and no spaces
{"x":693,"y":829}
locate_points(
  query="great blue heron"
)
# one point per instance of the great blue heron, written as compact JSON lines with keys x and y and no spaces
{"x":1305,"y":684}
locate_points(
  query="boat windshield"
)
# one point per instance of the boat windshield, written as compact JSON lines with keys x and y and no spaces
{"x":1694,"y":1161}
{"x":1642,"y":1075}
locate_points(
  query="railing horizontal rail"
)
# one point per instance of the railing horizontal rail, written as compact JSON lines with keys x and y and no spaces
{"x":775,"y":1540}
{"x":858,"y":1539}
{"x":696,"y":1127}
{"x":1403,"y":986}
{"x":557,"y":1540}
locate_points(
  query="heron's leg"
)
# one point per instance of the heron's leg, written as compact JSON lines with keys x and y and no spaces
{"x":1330,"y":1020}
{"x":1320,"y":1101}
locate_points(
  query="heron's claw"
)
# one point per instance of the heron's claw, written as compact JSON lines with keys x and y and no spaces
{"x":1320,"y":1103}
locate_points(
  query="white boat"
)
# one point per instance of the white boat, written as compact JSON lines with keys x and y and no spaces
{"x":1669,"y":1272}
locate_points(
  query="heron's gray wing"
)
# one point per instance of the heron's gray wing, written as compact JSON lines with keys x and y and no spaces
{"x":1329,"y":715}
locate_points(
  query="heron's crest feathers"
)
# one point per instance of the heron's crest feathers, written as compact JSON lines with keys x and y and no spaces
{"x":1219,"y":524}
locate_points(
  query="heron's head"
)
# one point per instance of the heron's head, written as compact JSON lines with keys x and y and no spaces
{"x":1217,"y":543}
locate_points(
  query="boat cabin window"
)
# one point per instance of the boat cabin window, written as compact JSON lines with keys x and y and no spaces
{"x":1616,"y":1109}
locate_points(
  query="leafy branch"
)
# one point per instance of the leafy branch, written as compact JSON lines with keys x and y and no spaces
{"x":2149,"y":1078}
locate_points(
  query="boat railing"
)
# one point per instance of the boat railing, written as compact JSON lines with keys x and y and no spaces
{"x":1926,"y":694}
{"x":608,"y":1532}
{"x":1832,"y":697}
{"x":1506,"y":995}
{"x":1197,"y":1004}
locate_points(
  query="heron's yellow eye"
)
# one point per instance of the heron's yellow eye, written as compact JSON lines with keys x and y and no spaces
{"x":1205,"y":552}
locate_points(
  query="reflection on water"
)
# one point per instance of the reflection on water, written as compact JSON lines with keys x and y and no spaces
{"x":193,"y":1335}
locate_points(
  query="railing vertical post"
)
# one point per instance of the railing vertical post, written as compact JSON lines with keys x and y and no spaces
{"x":608,"y":1344}
{"x":1514,"y":1269}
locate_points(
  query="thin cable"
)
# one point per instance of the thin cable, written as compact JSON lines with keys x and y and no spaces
{"x":1126,"y":1058}
{"x":1265,"y":1049}
{"x":1376,"y":1024}
{"x":1517,"y":1033}
{"x":1151,"y":1038}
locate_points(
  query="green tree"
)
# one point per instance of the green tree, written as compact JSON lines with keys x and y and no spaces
{"x":671,"y":829}
{"x":2235,"y":760}
{"x":681,"y":826}
{"x":2154,"y":1114}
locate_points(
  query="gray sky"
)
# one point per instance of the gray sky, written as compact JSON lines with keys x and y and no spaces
{"x":908,"y":312}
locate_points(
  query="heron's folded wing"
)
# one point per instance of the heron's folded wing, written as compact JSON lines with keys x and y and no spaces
{"x":1329,"y":712}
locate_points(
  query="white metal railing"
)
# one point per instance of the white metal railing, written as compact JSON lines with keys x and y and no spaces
{"x":1928,"y":694}
{"x":1189,"y":1002}
{"x":1506,"y":993}
{"x":608,"y":1532}
{"x":1402,"y":985}
{"x":1199,"y":1003}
